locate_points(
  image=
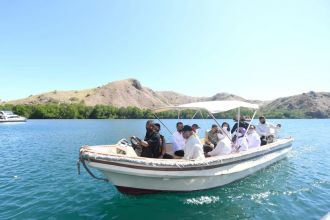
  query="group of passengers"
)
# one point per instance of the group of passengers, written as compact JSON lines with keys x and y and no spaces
{"x":218,"y":140}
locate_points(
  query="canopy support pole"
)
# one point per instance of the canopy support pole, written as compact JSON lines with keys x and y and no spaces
{"x":255,"y":112}
{"x":238,"y":118}
{"x":195,"y":114}
{"x":223,"y":131}
{"x":162,"y":123}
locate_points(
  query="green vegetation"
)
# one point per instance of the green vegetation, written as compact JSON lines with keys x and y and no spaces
{"x":81,"y":111}
{"x":76,"y":111}
{"x":283,"y":113}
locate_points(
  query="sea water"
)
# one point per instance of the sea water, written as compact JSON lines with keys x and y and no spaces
{"x":38,"y":176}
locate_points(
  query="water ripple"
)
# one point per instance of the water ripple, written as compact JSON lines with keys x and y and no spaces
{"x":38,"y":178}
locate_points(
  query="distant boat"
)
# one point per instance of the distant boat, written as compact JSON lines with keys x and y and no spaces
{"x":132,"y":174}
{"x":9,"y":116}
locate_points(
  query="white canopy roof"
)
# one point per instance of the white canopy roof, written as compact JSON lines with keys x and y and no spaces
{"x":211,"y":106}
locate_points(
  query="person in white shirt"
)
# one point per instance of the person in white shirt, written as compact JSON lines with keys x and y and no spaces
{"x":178,"y":140}
{"x":223,"y":147}
{"x":253,"y":137}
{"x":241,"y":143}
{"x":264,"y":130}
{"x":193,"y":149}
{"x":195,"y":128}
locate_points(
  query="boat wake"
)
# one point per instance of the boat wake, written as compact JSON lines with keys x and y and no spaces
{"x":202,"y":200}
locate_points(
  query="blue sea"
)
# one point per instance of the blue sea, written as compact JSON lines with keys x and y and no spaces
{"x":39,"y":180}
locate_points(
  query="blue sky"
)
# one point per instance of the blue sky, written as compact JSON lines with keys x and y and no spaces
{"x":255,"y":49}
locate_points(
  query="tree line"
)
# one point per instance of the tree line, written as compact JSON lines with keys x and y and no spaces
{"x":81,"y":111}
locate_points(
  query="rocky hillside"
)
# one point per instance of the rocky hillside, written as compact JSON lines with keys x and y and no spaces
{"x":315,"y":105}
{"x":122,"y":93}
{"x":130,"y":92}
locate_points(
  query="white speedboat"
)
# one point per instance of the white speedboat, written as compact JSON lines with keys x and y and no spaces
{"x":8,"y":116}
{"x":132,"y":174}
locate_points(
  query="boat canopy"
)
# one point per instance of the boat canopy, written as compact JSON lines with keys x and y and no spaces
{"x":210,"y":106}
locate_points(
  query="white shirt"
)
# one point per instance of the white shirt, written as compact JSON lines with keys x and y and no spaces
{"x":193,"y":149}
{"x":178,"y":141}
{"x":223,"y":147}
{"x":264,"y":129}
{"x":253,"y":139}
{"x":242,"y":142}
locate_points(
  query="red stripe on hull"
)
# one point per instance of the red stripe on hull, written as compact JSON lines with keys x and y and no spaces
{"x":136,"y":191}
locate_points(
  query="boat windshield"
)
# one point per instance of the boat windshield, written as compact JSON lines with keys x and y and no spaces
{"x":13,"y":116}
{"x":8,"y":112}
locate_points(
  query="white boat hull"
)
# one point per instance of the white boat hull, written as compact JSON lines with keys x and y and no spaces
{"x":218,"y":171}
{"x":12,"y":120}
{"x":9,"y":116}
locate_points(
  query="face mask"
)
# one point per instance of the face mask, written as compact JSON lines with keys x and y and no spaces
{"x":225,"y":128}
{"x":221,"y":136}
{"x":197,"y":130}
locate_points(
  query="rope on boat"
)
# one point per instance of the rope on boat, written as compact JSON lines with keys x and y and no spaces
{"x":82,"y":160}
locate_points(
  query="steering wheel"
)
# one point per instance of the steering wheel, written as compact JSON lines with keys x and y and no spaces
{"x":135,"y":141}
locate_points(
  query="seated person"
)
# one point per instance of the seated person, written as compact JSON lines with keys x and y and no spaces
{"x":225,"y":126}
{"x":223,"y":147}
{"x":162,"y":140}
{"x":242,"y":124}
{"x":241,"y":143}
{"x":151,"y":143}
{"x":211,"y":136}
{"x":193,"y":149}
{"x":195,"y":128}
{"x":211,"y":139}
{"x":264,"y":130}
{"x":178,"y":140}
{"x":253,"y":137}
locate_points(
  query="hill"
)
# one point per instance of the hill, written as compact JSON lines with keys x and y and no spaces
{"x":121,"y":93}
{"x":311,"y":104}
{"x":130,"y":93}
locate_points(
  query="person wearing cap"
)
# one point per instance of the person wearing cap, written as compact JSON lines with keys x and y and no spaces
{"x":178,"y":140}
{"x":211,"y":136}
{"x":253,"y":137}
{"x":151,"y":143}
{"x":195,"y":128}
{"x":223,"y":147}
{"x":193,"y":149}
{"x":264,"y":130}
{"x":242,"y":123}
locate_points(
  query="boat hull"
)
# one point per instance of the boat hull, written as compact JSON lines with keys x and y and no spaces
{"x":10,"y":121}
{"x":136,"y":179}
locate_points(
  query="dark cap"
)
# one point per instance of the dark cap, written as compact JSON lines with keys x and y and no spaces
{"x":214,"y":126}
{"x":195,"y":126}
{"x":186,"y":128}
